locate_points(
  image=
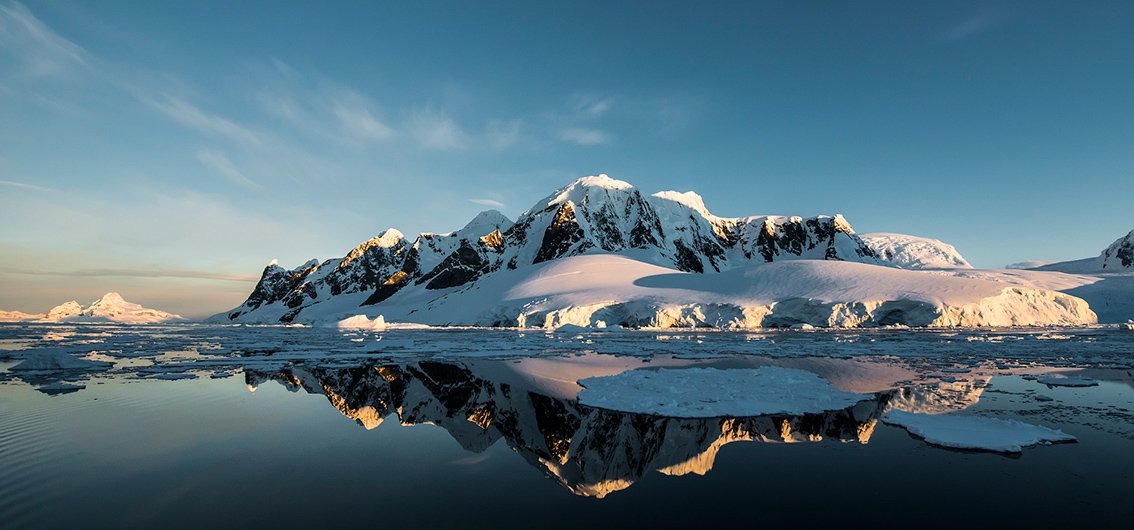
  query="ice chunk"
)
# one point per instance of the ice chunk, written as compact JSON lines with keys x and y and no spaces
{"x":55,"y":360}
{"x":364,"y":323}
{"x":1062,"y":380}
{"x":975,"y":432}
{"x":712,"y":392}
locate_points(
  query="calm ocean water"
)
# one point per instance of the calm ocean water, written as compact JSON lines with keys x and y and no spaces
{"x":197,"y":426}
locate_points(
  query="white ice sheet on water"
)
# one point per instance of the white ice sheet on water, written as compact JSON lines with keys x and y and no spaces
{"x":712,"y":392}
{"x":975,"y":432}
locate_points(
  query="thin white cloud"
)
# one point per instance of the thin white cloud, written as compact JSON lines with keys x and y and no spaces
{"x":23,"y":185}
{"x":499,"y":135}
{"x":136,"y":273}
{"x":357,"y":121}
{"x":329,"y":112}
{"x":43,"y":51}
{"x":434,"y":129}
{"x":583,"y":136}
{"x":971,"y":26}
{"x":591,"y":107}
{"x":488,"y":202}
{"x":220,"y":163}
{"x":190,"y":116}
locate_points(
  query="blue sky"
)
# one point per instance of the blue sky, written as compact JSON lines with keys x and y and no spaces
{"x":168,"y":150}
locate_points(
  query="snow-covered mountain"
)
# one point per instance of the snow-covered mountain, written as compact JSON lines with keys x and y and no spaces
{"x":19,"y":316}
{"x":1116,"y":258}
{"x":592,"y":215}
{"x":913,"y":252}
{"x":111,"y":307}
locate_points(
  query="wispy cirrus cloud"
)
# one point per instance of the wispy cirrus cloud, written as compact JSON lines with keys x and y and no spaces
{"x":41,"y":50}
{"x":591,"y":106}
{"x":974,"y":25}
{"x":136,"y":273}
{"x":353,"y":112}
{"x":434,"y":129}
{"x":24,"y":185}
{"x":583,"y":136}
{"x":503,"y":134}
{"x":492,"y":203}
{"x":190,"y":116}
{"x":217,"y":161}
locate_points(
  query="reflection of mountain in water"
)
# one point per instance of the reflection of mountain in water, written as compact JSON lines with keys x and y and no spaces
{"x":589,"y":451}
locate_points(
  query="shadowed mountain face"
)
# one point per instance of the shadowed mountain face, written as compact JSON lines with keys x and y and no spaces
{"x":589,"y":451}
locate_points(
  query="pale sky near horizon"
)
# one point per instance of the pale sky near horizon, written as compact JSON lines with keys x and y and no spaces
{"x":168,"y":150}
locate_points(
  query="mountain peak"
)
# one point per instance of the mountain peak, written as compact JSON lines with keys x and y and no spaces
{"x":689,"y":198}
{"x":110,"y":298}
{"x":388,"y":238}
{"x":602,"y":181}
{"x":488,"y":219}
{"x":593,"y":186}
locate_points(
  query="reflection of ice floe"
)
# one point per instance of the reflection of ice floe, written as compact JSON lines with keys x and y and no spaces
{"x":939,"y":397}
{"x":975,"y":432}
{"x":589,"y":451}
{"x":59,"y":387}
{"x":711,"y":392}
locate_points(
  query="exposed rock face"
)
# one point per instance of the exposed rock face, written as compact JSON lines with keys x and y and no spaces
{"x":592,"y":214}
{"x":587,"y":450}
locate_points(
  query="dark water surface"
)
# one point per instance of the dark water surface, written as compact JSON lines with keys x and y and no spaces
{"x":422,"y":433}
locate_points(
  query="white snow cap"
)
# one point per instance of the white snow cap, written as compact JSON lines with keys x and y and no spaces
{"x":689,"y":198}
{"x":388,"y":238}
{"x":111,"y":298}
{"x":487,"y":221}
{"x":913,"y":252}
{"x":274,"y":263}
{"x":583,"y":186}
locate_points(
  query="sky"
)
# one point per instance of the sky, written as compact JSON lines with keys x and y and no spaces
{"x":169,"y":150}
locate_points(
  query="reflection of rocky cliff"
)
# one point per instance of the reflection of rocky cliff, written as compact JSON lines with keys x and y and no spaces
{"x":589,"y":451}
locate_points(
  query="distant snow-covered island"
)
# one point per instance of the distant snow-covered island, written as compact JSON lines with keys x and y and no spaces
{"x":600,"y":253}
{"x":111,"y":307}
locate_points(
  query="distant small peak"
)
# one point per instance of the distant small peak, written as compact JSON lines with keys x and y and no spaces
{"x":112,"y":297}
{"x":274,"y":263}
{"x":488,"y":218}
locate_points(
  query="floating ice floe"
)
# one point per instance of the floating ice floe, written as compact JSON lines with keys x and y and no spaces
{"x":975,"y":432}
{"x":1062,"y":380}
{"x":712,"y":392}
{"x":363,"y":323}
{"x":57,"y":360}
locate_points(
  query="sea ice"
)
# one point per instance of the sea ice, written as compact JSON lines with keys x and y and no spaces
{"x":56,"y":359}
{"x":975,"y":432}
{"x":361,"y":322}
{"x":1062,"y":380}
{"x":712,"y":392}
